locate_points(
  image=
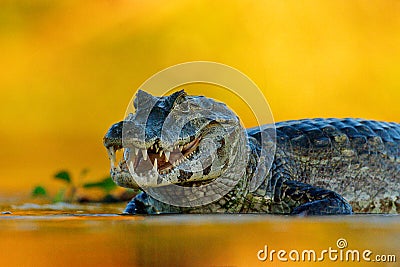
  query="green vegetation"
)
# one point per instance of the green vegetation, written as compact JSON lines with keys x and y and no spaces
{"x":39,"y":191}
{"x":68,"y":193}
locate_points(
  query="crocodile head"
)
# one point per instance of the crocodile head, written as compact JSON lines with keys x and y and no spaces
{"x":176,"y":139}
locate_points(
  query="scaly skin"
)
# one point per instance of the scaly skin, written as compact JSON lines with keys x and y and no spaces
{"x":320,"y":166}
{"x":359,"y":159}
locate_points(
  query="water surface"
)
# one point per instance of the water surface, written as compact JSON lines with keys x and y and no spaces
{"x":96,"y":235}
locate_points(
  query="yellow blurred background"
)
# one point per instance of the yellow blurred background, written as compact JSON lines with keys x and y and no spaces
{"x":69,"y":68}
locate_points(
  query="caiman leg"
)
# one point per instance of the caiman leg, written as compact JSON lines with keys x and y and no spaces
{"x":138,"y":205}
{"x":143,"y":204}
{"x":311,"y":200}
{"x":282,"y":193}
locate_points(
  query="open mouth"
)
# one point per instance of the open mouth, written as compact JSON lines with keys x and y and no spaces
{"x":142,"y":160}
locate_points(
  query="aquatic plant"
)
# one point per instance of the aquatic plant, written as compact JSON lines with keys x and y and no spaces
{"x":68,"y":192}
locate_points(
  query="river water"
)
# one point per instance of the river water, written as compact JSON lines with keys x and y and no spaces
{"x":97,"y":235}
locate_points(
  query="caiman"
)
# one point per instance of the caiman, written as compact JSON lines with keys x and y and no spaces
{"x":305,"y":167}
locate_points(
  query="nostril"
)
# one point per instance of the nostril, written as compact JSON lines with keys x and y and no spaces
{"x":113,"y":136}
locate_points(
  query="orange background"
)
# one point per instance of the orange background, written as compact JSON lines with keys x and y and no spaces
{"x":69,"y":68}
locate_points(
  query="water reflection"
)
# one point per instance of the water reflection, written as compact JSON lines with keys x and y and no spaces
{"x":98,"y":236}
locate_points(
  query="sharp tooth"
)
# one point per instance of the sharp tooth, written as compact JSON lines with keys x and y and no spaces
{"x":161,"y":153}
{"x":180,"y":148}
{"x":111,"y":156}
{"x":152,"y":146}
{"x":127,"y":154}
{"x":157,"y":148}
{"x":130,"y":167}
{"x":167,"y":153}
{"x":136,"y":151}
{"x":144,"y":152}
{"x":155,"y":165}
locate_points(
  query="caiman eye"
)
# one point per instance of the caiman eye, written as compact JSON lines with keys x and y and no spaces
{"x":194,"y":105}
{"x":189,"y":106}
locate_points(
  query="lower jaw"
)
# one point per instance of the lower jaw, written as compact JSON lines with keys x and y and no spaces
{"x":134,"y":180}
{"x":124,"y":179}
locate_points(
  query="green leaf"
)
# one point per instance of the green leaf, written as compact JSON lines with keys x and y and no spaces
{"x":64,"y":176}
{"x":107,"y":184}
{"x":59,"y":197}
{"x":39,"y":191}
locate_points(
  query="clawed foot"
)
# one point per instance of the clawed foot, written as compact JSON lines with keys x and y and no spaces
{"x":327,"y":206}
{"x":144,"y":204}
{"x":139,"y":205}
